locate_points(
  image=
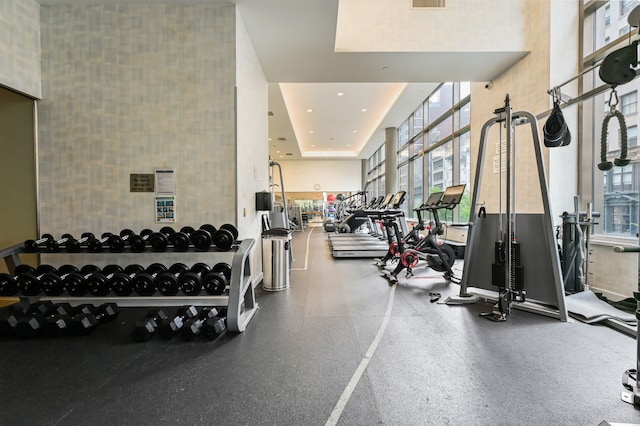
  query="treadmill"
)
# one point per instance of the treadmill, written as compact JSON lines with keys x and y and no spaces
{"x":370,"y":246}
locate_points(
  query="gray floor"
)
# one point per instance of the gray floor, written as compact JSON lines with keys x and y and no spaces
{"x":435,"y":364}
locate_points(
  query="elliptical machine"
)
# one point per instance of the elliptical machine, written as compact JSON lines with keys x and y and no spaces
{"x":439,"y":257}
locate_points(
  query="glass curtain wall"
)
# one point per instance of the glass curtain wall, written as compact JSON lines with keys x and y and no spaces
{"x":375,"y":174}
{"x":434,"y":147}
{"x":614,"y":193}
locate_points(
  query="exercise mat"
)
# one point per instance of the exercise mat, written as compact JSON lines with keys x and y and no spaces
{"x":586,"y":307}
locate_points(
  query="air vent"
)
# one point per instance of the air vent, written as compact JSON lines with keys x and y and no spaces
{"x":420,"y":4}
{"x":288,"y":153}
{"x":270,"y":114}
{"x":282,"y":139}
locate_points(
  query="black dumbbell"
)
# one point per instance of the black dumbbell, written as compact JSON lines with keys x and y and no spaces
{"x":8,"y":321}
{"x":203,"y":238}
{"x":34,"y":246}
{"x":9,"y":283}
{"x":29,"y":283}
{"x":216,"y":326}
{"x":117,"y":243}
{"x":144,"y":330}
{"x":192,"y":327}
{"x":169,"y":329}
{"x":138,"y":243}
{"x":181,"y":240}
{"x":120,"y":283}
{"x":160,"y":240}
{"x":85,"y":323}
{"x":53,"y":246}
{"x":52,"y":283}
{"x":76,"y":283}
{"x":191,"y":281}
{"x":225,"y":237}
{"x":215,"y":282}
{"x":75,"y":246}
{"x":30,"y":324}
{"x":167,"y":282}
{"x":144,"y":283}
{"x":97,"y":245}
{"x":57,"y":320}
{"x":98,"y":283}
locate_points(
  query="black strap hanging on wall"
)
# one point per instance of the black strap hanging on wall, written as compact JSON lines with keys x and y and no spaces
{"x":556,"y":132}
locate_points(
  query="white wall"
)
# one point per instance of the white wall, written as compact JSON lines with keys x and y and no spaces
{"x":158,"y":92}
{"x":20,"y":46}
{"x":331,"y":175}
{"x":252,"y":147}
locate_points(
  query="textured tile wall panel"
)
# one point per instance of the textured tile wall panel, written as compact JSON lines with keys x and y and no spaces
{"x":131,"y":88}
{"x":20,"y":46}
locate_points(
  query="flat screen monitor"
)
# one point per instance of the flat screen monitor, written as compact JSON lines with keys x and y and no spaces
{"x":398,"y":198}
{"x":433,"y":199}
{"x":452,"y":196}
{"x":386,"y":201}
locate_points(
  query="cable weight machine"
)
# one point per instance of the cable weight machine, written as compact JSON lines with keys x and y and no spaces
{"x":522,"y":268}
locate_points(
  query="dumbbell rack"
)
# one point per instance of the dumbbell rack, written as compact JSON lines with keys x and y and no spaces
{"x":241,"y":303}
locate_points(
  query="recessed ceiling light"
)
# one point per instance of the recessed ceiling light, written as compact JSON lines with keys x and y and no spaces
{"x":364,"y":110}
{"x":340,"y":94}
{"x":278,"y":152}
{"x":270,"y":139}
{"x":348,"y":145}
{"x":312,"y":146}
{"x":309,"y":110}
{"x":282,"y":156}
{"x":355,"y":131}
{"x":310,"y":131}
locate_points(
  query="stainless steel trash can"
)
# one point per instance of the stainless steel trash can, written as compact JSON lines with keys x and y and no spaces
{"x":276,"y":263}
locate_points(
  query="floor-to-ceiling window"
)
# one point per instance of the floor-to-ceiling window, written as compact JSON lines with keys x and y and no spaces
{"x":433,"y":146}
{"x":375,"y":174}
{"x":614,"y":192}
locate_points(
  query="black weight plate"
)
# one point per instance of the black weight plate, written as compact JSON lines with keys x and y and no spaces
{"x":75,"y":284}
{"x":224,"y":268}
{"x":43,"y":269}
{"x":187,"y":230}
{"x":201,"y":240}
{"x":200,"y":268}
{"x":133,"y":269}
{"x":116,"y":244}
{"x":89,"y":269}
{"x":167,"y":230}
{"x":209,"y":228}
{"x":223,"y":239}
{"x":24,"y":269}
{"x":28,"y":285}
{"x":98,"y":285}
{"x":121,"y":283}
{"x":167,"y":284}
{"x":178,"y":268}
{"x":156,"y":268}
{"x":180,"y":241}
{"x":127,"y":233}
{"x":112,"y":269}
{"x":190,"y":283}
{"x":137,"y":244}
{"x":229,"y":227}
{"x":158,"y":241}
{"x":214,"y":283}
{"x":146,"y":232}
{"x":8,"y":285}
{"x":52,"y":284}
{"x":65,"y":269}
{"x":143,"y":284}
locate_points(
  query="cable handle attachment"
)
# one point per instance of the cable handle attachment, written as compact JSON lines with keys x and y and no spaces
{"x":613,"y":112}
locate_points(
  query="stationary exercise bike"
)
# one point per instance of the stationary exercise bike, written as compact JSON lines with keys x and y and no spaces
{"x":439,"y":257}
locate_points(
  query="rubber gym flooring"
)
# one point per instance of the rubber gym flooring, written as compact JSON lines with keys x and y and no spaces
{"x":324,"y":352}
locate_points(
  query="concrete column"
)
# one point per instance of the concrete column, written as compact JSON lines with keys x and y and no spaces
{"x":391,"y":160}
{"x":364,"y":168}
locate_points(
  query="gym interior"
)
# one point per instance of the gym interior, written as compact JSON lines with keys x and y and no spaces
{"x":312,"y":212}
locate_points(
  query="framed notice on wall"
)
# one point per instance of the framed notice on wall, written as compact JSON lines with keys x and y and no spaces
{"x":165,"y":209}
{"x":165,"y":181}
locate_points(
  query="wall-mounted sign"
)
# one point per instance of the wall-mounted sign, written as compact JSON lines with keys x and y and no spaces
{"x":165,"y":209}
{"x":165,"y":181}
{"x":141,"y":182}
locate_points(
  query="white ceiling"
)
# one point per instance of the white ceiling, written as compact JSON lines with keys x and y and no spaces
{"x":295,"y":42}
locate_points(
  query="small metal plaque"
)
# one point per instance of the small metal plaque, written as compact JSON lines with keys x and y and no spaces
{"x":141,"y":182}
